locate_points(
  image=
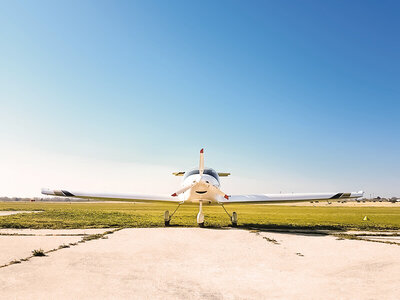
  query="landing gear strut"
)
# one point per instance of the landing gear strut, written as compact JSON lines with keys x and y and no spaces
{"x":167,"y":216}
{"x":200,"y":215}
{"x":233,"y":217}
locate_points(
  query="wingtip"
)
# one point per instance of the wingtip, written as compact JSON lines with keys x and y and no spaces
{"x":46,"y":191}
{"x":202,"y":150}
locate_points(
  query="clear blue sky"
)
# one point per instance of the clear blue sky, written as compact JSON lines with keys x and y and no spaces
{"x":274,"y":90}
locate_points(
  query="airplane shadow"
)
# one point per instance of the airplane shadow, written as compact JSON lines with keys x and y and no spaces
{"x":293,"y":229}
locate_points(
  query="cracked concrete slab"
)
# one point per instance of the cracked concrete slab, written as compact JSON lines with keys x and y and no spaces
{"x":17,"y":247}
{"x":19,"y":243}
{"x":191,"y":263}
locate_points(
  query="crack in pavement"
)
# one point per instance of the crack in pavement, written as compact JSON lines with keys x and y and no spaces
{"x":362,"y":237}
{"x":257,"y":232}
{"x":85,"y":238}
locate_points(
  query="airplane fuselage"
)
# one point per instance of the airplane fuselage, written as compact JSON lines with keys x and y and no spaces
{"x":201,"y":188}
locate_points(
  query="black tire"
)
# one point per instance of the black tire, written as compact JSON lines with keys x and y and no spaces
{"x":166,"y":223}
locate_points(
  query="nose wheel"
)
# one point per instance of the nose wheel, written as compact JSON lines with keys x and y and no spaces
{"x":200,"y":215}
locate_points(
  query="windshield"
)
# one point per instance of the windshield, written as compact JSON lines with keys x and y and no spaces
{"x":210,"y":172}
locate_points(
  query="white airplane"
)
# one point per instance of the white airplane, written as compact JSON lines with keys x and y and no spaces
{"x":202,"y":186}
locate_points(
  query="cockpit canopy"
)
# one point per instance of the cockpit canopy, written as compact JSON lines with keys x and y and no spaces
{"x":207,"y":171}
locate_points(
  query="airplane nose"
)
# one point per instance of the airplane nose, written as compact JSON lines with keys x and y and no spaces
{"x":204,"y":181}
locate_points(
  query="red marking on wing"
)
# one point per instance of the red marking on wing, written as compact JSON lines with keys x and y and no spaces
{"x":226,"y":197}
{"x":174,"y":195}
{"x":202,"y":150}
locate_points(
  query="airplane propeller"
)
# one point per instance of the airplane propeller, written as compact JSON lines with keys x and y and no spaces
{"x":201,"y":172}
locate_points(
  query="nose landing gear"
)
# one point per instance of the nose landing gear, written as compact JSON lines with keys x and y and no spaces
{"x":200,"y":215}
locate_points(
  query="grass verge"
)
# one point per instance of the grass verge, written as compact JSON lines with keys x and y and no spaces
{"x":118,"y":215}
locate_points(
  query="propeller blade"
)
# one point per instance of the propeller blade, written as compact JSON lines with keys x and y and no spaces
{"x":219,"y":192}
{"x":184,"y":189}
{"x":201,"y":164}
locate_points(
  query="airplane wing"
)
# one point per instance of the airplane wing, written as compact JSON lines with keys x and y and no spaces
{"x":298,"y":197}
{"x":111,"y":197}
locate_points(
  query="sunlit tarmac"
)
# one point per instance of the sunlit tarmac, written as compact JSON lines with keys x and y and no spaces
{"x":191,"y":263}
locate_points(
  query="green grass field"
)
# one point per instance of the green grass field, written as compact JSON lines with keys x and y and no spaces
{"x":98,"y":215}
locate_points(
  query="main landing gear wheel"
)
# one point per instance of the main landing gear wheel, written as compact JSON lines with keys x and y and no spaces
{"x":167,"y":218}
{"x":234,"y":219}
